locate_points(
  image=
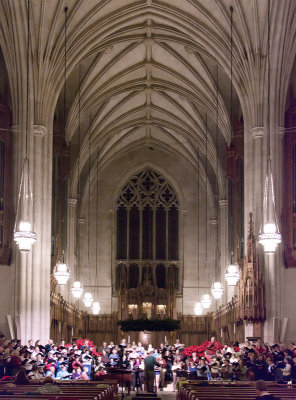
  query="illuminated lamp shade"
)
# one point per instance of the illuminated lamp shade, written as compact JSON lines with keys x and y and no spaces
{"x":88,"y":299}
{"x":198,"y":309}
{"x":96,"y":308}
{"x":77,"y":290}
{"x":61,"y":273}
{"x":269,"y":235}
{"x":217,"y":290}
{"x":206,"y":301}
{"x":232,"y":274}
{"x":270,"y":238}
{"x":24,"y":237}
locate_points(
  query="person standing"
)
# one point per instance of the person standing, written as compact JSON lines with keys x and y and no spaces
{"x":150,"y":362}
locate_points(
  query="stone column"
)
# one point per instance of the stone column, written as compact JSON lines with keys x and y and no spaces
{"x":32,"y":270}
{"x":223,"y":239}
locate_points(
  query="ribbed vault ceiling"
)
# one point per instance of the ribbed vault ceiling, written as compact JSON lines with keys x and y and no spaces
{"x":148,"y":72}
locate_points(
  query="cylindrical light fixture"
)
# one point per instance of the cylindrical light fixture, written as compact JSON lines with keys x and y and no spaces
{"x":24,"y":237}
{"x":217,"y":290}
{"x":88,"y":299}
{"x":77,"y":289}
{"x":96,"y":308}
{"x":232,"y":274}
{"x":198,"y":308}
{"x":61,"y":273}
{"x":206,"y":301}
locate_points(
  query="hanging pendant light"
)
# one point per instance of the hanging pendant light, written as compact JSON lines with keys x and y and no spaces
{"x":96,"y":308}
{"x":217,"y":287}
{"x":88,"y":299}
{"x":23,"y":233}
{"x":269,"y":235}
{"x":61,"y":272}
{"x":232,"y":274}
{"x":198,"y":308}
{"x":206,"y":301}
{"x":217,"y":290}
{"x":77,"y":289}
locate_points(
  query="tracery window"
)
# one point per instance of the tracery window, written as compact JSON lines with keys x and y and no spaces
{"x":148,"y":225}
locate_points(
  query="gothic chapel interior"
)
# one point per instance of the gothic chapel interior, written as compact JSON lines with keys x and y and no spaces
{"x":148,"y":157}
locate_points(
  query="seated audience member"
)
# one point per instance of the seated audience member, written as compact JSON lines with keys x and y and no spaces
{"x":48,"y":386}
{"x":261,"y":389}
{"x":63,"y":373}
{"x":35,"y":374}
{"x":21,"y":378}
{"x":84,"y":374}
{"x":76,"y":374}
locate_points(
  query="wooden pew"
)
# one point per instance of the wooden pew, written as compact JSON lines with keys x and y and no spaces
{"x":70,"y":390}
{"x":233,"y":391}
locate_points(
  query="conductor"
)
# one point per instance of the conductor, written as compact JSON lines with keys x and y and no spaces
{"x":150,"y":362}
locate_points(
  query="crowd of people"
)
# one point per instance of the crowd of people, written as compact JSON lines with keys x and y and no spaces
{"x":83,"y":360}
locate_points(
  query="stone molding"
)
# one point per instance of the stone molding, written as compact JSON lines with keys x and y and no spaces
{"x":72,"y":202}
{"x":223,"y":203}
{"x":39,"y":130}
{"x":213,"y":222}
{"x":257,"y":132}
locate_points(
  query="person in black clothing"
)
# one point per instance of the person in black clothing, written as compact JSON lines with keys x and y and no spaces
{"x":261,"y":368}
{"x":261,"y":389}
{"x":150,"y":362}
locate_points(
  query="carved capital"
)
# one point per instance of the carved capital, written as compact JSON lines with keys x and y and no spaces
{"x":257,"y":132}
{"x":223,"y":203}
{"x":213,"y":222}
{"x":39,"y":130}
{"x":72,"y":202}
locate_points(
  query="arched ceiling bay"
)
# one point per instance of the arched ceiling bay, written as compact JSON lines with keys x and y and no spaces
{"x":148,"y":68}
{"x":146,"y":86}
